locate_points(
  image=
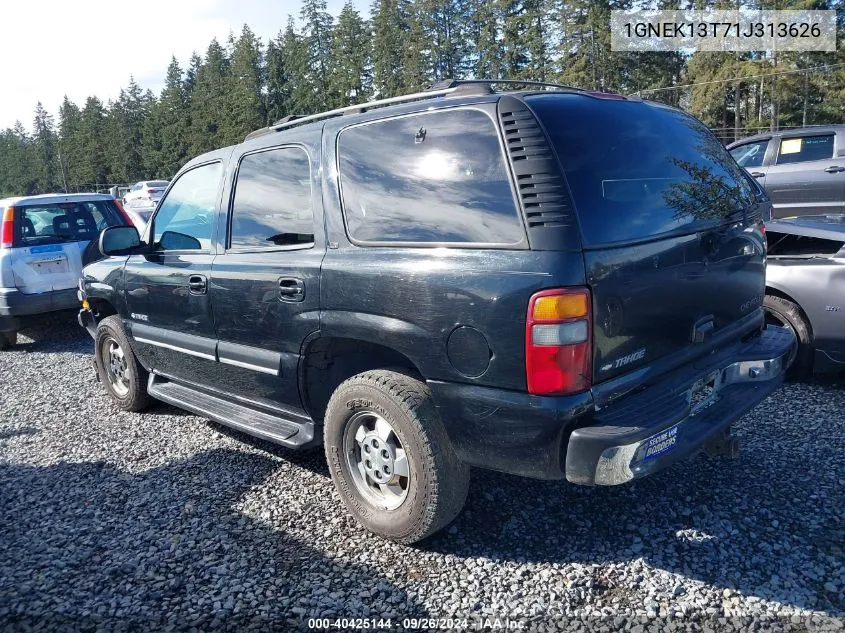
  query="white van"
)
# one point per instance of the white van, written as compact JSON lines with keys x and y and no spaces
{"x":42,"y":241}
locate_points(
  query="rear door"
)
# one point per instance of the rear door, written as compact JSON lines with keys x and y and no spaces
{"x":166,"y":290}
{"x":806,"y":177}
{"x":265,"y":287}
{"x":50,"y":239}
{"x":670,"y":226}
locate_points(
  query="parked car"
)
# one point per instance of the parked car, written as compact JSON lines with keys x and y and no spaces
{"x":805,"y":288}
{"x":539,"y":282}
{"x":42,"y":243}
{"x":139,"y":216}
{"x":802,"y":171}
{"x":145,"y":194}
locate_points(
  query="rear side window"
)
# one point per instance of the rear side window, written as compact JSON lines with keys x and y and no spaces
{"x":438,"y":177}
{"x":805,"y":148}
{"x":637,"y":170}
{"x":272,"y":203}
{"x":65,"y":222}
{"x":750,"y":154}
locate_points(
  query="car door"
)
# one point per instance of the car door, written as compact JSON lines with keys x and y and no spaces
{"x":166,"y":290}
{"x":805,"y":176}
{"x":265,"y":286}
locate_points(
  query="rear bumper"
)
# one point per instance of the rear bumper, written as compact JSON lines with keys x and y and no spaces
{"x":566,"y":437}
{"x":13,"y":302}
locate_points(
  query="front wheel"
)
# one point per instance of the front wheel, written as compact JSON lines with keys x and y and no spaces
{"x":390,"y":457}
{"x":120,"y":372}
{"x":784,"y":313}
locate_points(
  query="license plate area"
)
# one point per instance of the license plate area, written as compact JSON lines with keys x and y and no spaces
{"x":704,"y":392}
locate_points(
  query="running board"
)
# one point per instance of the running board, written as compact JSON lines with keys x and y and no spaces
{"x":274,"y":428}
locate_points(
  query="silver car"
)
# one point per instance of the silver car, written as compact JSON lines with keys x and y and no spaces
{"x":802,"y":171}
{"x":42,"y":245}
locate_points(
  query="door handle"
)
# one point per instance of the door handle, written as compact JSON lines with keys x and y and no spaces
{"x":197,"y":284}
{"x":834,"y":169}
{"x":757,"y":174}
{"x":291,"y":289}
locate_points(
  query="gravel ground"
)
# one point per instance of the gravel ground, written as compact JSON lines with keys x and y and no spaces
{"x":114,"y":521}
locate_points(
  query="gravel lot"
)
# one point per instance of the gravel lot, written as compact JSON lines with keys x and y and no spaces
{"x":166,"y":521}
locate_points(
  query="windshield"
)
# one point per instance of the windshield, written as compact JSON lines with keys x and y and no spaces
{"x":637,"y":170}
{"x":65,"y":222}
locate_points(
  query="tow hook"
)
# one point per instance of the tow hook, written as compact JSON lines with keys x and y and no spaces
{"x":725,"y":444}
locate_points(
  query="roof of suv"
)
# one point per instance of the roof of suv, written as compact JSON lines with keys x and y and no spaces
{"x":55,"y":198}
{"x":812,"y":129}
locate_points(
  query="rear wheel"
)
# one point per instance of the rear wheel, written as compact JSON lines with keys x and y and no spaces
{"x":8,"y":339}
{"x":390,"y":457}
{"x":785,"y":313}
{"x":122,"y":375}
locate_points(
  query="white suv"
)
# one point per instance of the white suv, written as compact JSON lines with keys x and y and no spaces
{"x":42,"y":242}
{"x":146,"y":193}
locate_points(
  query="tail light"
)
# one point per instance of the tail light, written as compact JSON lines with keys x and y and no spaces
{"x":558,"y":342}
{"x":7,"y":231}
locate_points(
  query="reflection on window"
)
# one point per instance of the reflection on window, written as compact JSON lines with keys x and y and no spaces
{"x":750,"y":155}
{"x":272,"y":204}
{"x":802,"y":149}
{"x":188,"y":210}
{"x":434,"y":177}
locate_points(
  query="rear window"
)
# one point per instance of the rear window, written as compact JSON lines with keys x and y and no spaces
{"x":805,"y":148}
{"x":65,"y":222}
{"x":157,"y":184}
{"x":437,"y":177}
{"x":636,"y":170}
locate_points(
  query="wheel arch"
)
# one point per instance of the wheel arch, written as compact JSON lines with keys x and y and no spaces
{"x":329,"y":360}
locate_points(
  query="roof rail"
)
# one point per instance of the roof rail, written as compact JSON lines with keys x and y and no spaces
{"x":457,"y":83}
{"x":440,"y":89}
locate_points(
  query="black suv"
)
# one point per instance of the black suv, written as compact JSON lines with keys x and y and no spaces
{"x":551,"y":283}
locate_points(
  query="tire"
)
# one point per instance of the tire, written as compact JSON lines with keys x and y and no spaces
{"x":8,"y":339}
{"x":125,"y":381}
{"x":435,"y":488}
{"x":785,"y":313}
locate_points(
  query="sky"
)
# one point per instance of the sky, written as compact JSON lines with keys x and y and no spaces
{"x":53,"y":48}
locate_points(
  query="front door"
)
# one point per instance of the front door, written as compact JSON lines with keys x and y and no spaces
{"x":806,"y":178}
{"x":169,"y":313}
{"x":265,"y":288}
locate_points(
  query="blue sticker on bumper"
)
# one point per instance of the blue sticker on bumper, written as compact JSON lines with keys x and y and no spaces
{"x":47,"y":248}
{"x":660,"y":443}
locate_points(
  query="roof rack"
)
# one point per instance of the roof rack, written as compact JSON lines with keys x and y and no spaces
{"x":457,"y":83}
{"x":440,"y":89}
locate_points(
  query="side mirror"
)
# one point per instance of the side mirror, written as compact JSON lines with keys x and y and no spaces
{"x":120,"y":240}
{"x":173,"y":241}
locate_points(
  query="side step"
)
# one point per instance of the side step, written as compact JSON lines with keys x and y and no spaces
{"x":274,"y":428}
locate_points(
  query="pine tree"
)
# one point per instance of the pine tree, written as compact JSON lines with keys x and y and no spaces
{"x":170,"y":118}
{"x":124,"y":143}
{"x":208,"y":101}
{"x":277,"y":80}
{"x":44,"y":144}
{"x":349,"y":79}
{"x":70,"y":154}
{"x":416,"y":54}
{"x":295,"y":59}
{"x":92,"y":136}
{"x":245,"y":111}
{"x":485,"y":50}
{"x":388,"y":38}
{"x":318,"y":25}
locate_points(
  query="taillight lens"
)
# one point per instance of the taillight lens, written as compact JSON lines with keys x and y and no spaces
{"x":7,"y":231}
{"x":558,"y":341}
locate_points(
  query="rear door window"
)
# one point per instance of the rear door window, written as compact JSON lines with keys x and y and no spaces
{"x":750,"y":154}
{"x":801,"y":149}
{"x":638,"y":170}
{"x":65,"y":222}
{"x":430,"y":178}
{"x":272,"y":203}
